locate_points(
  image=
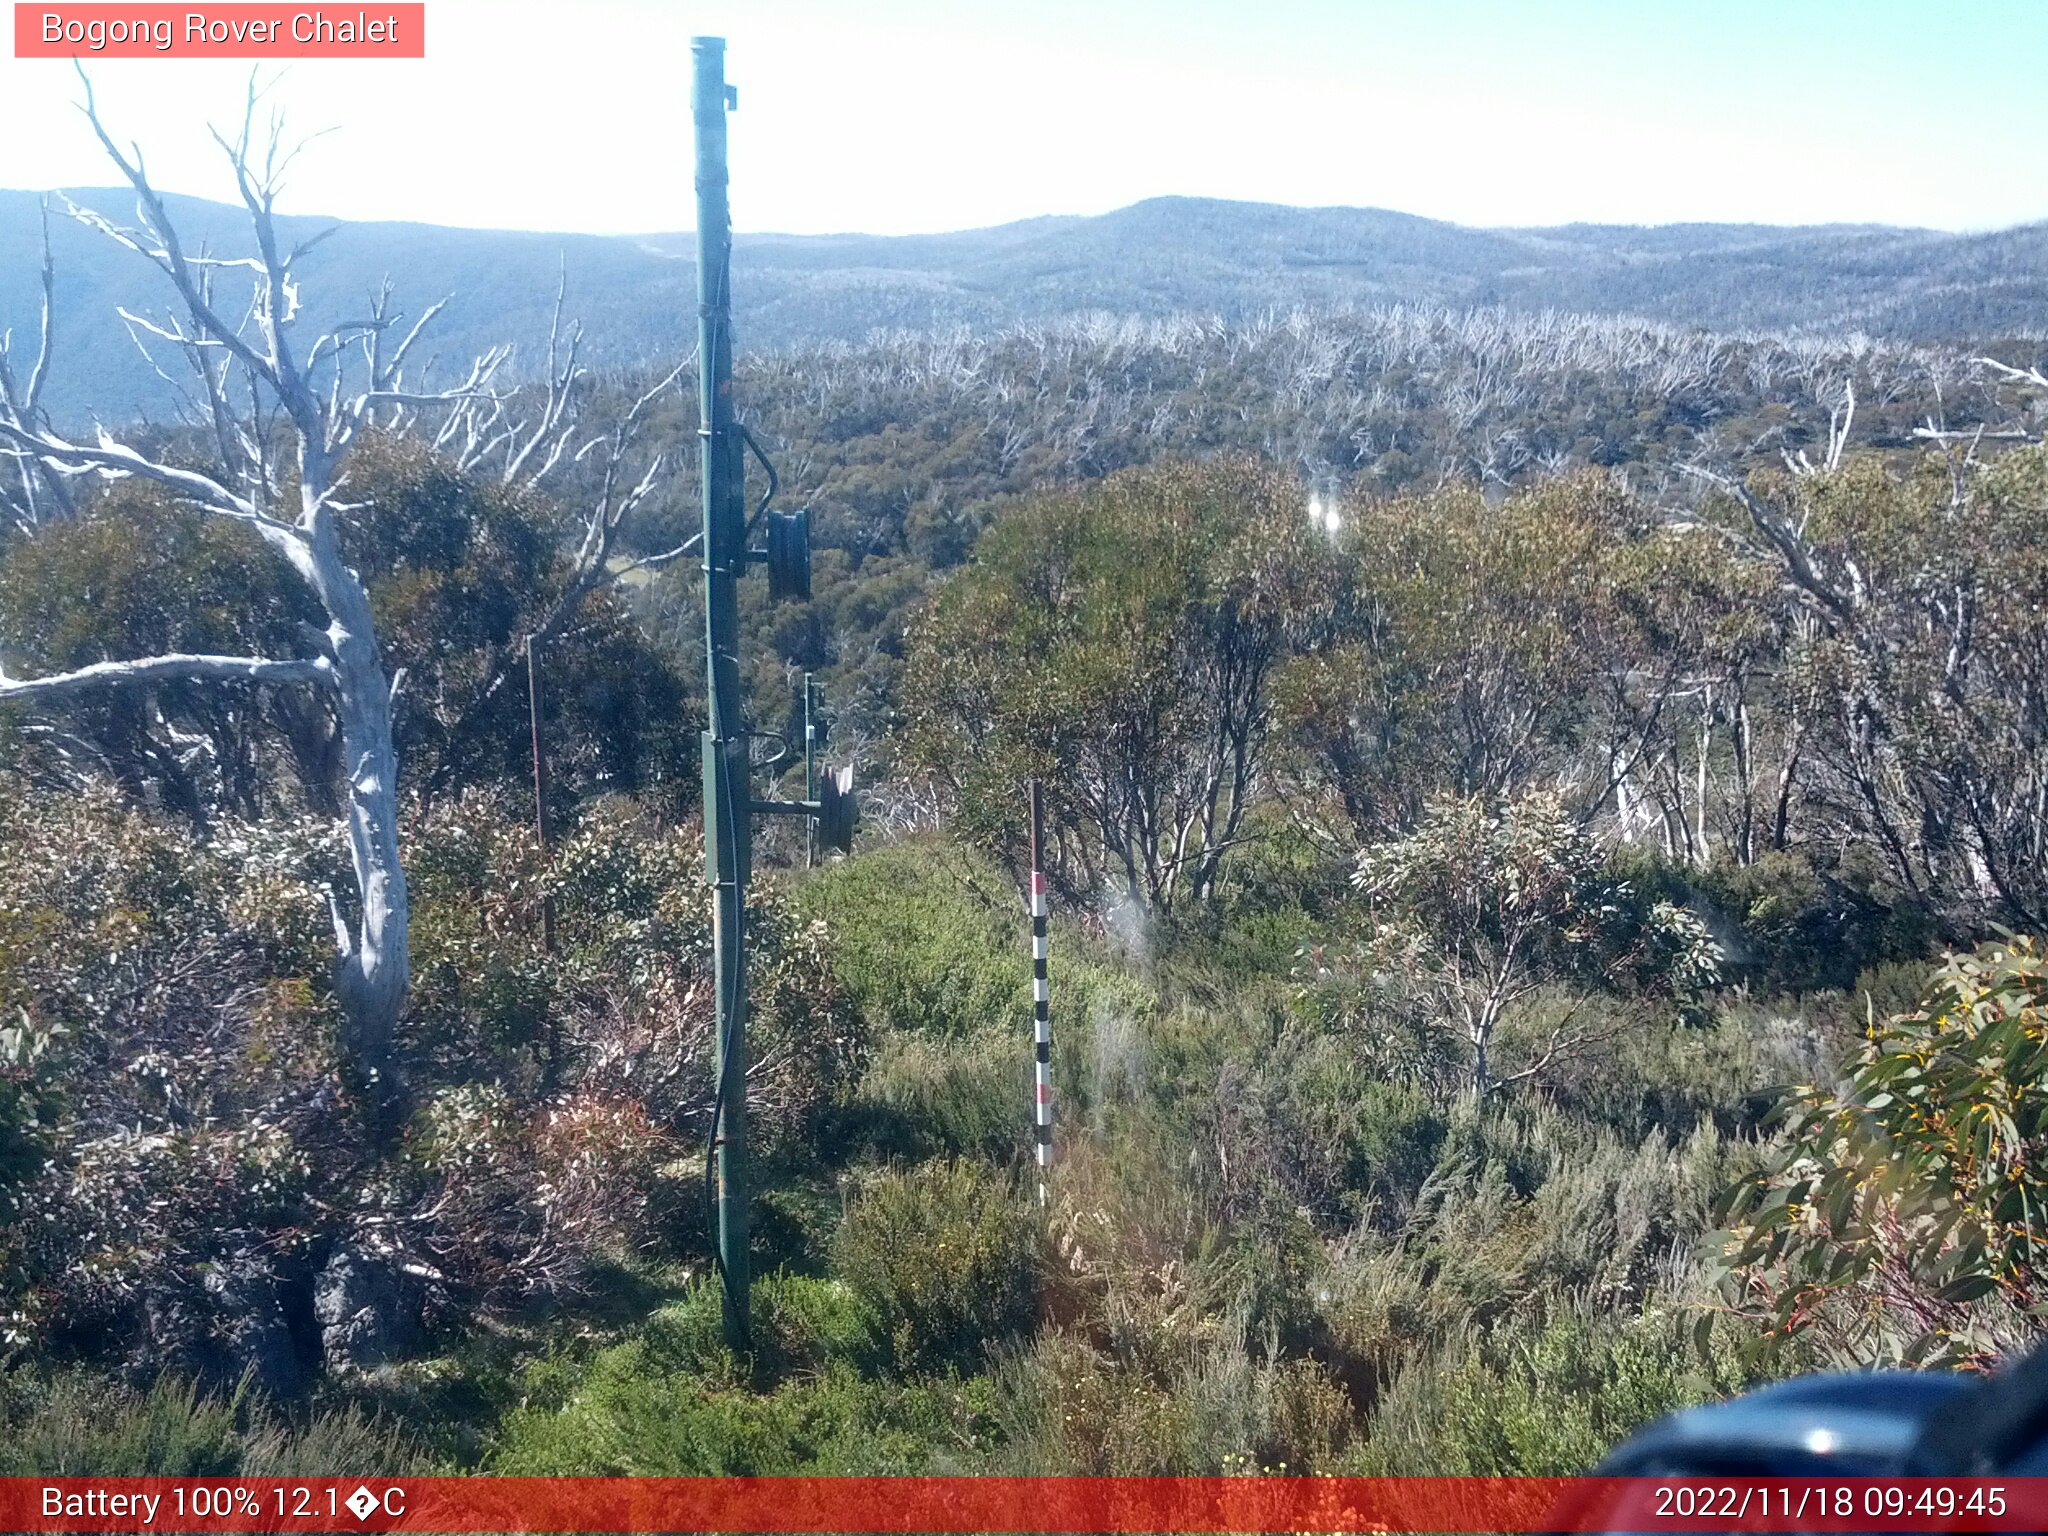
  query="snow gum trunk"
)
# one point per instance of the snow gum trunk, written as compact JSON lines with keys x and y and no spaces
{"x":375,"y":962}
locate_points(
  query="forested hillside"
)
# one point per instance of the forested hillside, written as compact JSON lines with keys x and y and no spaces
{"x":905,"y":448}
{"x":1547,"y":825}
{"x":1160,"y":258}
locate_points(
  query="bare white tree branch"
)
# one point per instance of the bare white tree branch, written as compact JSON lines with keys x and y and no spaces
{"x":173,"y":667}
{"x":1786,"y":541}
{"x":24,"y":402}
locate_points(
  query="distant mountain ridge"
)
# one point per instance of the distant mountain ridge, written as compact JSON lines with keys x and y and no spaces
{"x":637,"y":294}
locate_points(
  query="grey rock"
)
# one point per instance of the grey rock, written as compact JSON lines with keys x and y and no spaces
{"x":367,"y":1307}
{"x":251,"y":1338}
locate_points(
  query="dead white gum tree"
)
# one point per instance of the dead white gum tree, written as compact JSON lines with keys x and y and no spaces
{"x":280,"y":418}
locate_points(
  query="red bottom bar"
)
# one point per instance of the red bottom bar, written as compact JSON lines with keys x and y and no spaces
{"x":1022,"y":1504}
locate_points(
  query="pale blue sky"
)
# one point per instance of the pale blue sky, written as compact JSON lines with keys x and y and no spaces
{"x":906,"y":115}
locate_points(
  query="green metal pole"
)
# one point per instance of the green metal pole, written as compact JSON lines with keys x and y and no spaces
{"x":727,"y":793}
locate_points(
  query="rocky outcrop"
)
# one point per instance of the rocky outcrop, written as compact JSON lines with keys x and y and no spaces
{"x":367,"y":1307}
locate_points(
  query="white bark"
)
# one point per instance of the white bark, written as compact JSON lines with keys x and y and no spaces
{"x":240,"y":669}
{"x":318,"y":402}
{"x":35,"y":493}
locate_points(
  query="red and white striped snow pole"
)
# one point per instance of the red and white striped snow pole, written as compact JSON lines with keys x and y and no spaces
{"x":1041,"y":997}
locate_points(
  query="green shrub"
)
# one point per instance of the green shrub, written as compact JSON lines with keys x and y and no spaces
{"x":1065,"y":1406}
{"x":74,"y":1425}
{"x":77,"y":1427}
{"x":1375,"y":1313}
{"x":931,"y":939}
{"x":30,"y":1107}
{"x":945,"y":1257}
{"x":925,"y":938}
{"x":799,"y":1323}
{"x":480,"y":981}
{"x":1349,"y":1140}
{"x":1308,"y":1419}
{"x":1804,"y":925}
{"x":626,"y":1424}
{"x":671,"y":1401}
{"x":168,"y":1070}
{"x":1272,"y":897}
{"x":343,"y":1442}
{"x":1547,"y":1403}
{"x":1900,"y":1214}
{"x":1665,"y":1077}
{"x":1261,"y":1272}
{"x":937,"y":1097}
{"x":1526,"y":1207}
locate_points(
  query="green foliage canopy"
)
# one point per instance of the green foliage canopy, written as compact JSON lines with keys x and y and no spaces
{"x":1116,"y":642}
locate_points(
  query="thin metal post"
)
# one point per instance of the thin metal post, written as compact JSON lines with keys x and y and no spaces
{"x":727,"y":793}
{"x":1041,"y":998}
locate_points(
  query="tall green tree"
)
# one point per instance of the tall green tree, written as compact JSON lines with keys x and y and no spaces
{"x":1117,"y":642}
{"x":1920,"y":662}
{"x":1474,"y":649}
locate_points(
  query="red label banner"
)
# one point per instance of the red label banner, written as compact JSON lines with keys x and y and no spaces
{"x":1022,"y":1504}
{"x":379,"y":30}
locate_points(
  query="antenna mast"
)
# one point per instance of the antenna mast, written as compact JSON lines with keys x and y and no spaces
{"x":729,"y":803}
{"x":727,"y":791}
